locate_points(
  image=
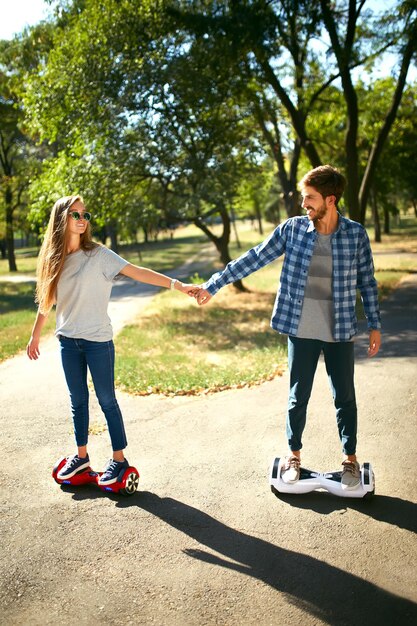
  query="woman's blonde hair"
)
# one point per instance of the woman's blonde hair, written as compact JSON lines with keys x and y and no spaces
{"x":53,"y":252}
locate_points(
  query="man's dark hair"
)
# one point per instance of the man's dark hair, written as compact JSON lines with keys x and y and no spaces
{"x":327,"y":180}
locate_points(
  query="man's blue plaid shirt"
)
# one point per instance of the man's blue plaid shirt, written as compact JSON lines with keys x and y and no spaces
{"x":353,"y":269}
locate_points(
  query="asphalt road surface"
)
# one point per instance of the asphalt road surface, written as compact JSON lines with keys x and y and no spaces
{"x":204,"y":541}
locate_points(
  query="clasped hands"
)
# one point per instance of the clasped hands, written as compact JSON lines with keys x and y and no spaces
{"x":195,"y":291}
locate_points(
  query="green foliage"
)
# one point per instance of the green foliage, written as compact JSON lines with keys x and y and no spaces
{"x":165,"y":110}
{"x":280,"y":55}
{"x":196,"y":279}
{"x":20,"y":157}
{"x":139,"y":130}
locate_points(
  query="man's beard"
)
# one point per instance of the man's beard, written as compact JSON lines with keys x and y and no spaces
{"x":319,"y":213}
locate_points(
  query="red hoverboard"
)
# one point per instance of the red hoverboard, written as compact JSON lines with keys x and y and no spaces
{"x":126,"y":484}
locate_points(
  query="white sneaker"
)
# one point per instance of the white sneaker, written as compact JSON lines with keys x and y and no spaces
{"x":351,"y":475}
{"x":290,"y":471}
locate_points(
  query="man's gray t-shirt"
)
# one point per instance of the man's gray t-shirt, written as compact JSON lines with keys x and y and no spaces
{"x":83,"y":294}
{"x":317,"y":319}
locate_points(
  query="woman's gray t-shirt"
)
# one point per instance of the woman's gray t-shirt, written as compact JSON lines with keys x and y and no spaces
{"x":83,"y":294}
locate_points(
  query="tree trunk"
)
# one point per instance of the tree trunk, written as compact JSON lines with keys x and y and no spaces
{"x":375,"y":216}
{"x":222,"y":242}
{"x":343,"y":50}
{"x":297,"y":117}
{"x":386,"y":222}
{"x":294,"y":202}
{"x":258,"y":214}
{"x":290,"y":194}
{"x":288,"y":182}
{"x":112,"y":232}
{"x":239,"y":245}
{"x":352,"y":175}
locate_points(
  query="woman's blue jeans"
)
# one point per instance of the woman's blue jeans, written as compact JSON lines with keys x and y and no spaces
{"x":303,"y":356}
{"x":98,"y":356}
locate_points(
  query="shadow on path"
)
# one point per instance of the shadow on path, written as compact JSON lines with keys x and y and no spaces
{"x":322,"y":590}
{"x":390,"y":510}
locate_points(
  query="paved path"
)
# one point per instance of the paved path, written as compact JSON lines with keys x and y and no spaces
{"x":204,"y":541}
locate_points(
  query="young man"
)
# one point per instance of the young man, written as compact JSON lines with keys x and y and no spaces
{"x":327,"y":258}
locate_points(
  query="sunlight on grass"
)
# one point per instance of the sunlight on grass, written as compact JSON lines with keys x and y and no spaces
{"x":402,"y":238}
{"x":387,"y":281}
{"x":26,"y":259}
{"x":188,"y":349}
{"x":18,"y":313}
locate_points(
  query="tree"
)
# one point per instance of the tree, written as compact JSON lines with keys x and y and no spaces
{"x":278,"y":41}
{"x":20,"y":157}
{"x":118,"y":86}
{"x":15,"y":161}
{"x":345,"y":49}
{"x":394,"y":184}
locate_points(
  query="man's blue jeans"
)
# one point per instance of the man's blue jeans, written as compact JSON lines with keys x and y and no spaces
{"x":303,"y":355}
{"x":98,"y":356}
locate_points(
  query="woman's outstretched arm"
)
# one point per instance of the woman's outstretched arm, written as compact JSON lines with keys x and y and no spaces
{"x":32,"y":349}
{"x":145,"y":275}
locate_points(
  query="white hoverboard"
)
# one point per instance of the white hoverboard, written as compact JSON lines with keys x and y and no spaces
{"x":330,"y":481}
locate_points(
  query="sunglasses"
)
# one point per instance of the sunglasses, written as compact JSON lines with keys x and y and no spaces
{"x":76,"y":215}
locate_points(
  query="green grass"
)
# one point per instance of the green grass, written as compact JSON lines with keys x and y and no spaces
{"x":25,"y":260}
{"x":166,"y":254}
{"x":176,"y":346}
{"x":17,"y":315}
{"x":402,"y":237}
{"x":387,"y":281}
{"x":188,"y":348}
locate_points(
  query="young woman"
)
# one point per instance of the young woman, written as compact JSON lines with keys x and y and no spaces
{"x":76,"y":274}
